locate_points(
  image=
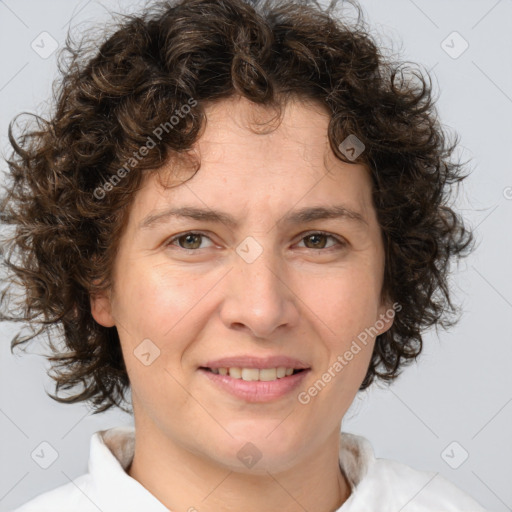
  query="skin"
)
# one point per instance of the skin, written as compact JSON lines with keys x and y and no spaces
{"x":302,"y":297}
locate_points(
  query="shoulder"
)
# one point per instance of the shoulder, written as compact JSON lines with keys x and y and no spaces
{"x":422,"y":491}
{"x":391,"y":485}
{"x":70,"y":496}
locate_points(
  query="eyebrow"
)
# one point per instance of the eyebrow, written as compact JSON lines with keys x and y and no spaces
{"x":301,"y":216}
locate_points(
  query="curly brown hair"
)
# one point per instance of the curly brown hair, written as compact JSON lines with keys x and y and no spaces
{"x":107,"y":103}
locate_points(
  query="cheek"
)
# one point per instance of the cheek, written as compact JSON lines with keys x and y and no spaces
{"x":347,"y":301}
{"x":347,"y":311}
{"x":154,"y":299}
{"x":350,"y":347}
{"x":167,"y":308}
{"x":156,"y":324}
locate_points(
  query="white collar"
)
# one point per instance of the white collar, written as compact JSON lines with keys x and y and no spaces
{"x":380,"y":484}
{"x":112,"y":451}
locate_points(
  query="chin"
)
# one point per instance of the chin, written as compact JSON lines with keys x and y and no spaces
{"x":259,"y":448}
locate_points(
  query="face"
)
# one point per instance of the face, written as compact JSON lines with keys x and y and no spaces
{"x":269,"y":288}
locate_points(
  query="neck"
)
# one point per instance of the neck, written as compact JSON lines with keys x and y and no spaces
{"x":182,"y":480}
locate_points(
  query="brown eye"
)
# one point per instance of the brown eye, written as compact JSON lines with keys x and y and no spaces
{"x":317,"y":240}
{"x":190,"y":240}
{"x":187,"y":241}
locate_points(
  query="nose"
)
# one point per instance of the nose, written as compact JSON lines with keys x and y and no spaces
{"x":258,"y":292}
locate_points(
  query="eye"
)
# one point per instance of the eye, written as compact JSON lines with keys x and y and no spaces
{"x":188,"y":241}
{"x":191,"y":241}
{"x":318,"y":240}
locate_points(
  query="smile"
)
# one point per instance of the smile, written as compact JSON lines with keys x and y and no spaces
{"x":255,"y":385}
{"x":255,"y":374}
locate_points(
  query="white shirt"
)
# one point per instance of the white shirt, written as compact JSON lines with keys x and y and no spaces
{"x":378,"y":485}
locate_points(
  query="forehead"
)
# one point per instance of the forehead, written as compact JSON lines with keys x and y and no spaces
{"x":252,"y":159}
{"x":238,"y":129}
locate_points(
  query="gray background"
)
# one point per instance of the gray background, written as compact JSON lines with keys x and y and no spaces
{"x":461,"y":390}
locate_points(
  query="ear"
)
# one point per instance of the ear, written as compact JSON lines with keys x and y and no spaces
{"x":387,"y":313}
{"x":101,"y":309}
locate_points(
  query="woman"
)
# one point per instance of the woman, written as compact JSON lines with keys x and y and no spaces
{"x":239,"y":213}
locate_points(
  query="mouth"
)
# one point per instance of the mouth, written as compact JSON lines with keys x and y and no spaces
{"x":255,"y":385}
{"x":255,"y":374}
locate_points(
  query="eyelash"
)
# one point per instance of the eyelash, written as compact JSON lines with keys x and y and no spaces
{"x":339,"y":241}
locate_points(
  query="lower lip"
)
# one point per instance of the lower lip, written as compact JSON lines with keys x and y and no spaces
{"x":256,"y":391}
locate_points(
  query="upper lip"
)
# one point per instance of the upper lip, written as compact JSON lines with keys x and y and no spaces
{"x":256,"y":362}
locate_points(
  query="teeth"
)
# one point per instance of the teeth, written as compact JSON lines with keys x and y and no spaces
{"x":248,"y":373}
{"x":267,"y":374}
{"x":253,"y":374}
{"x":236,"y":373}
